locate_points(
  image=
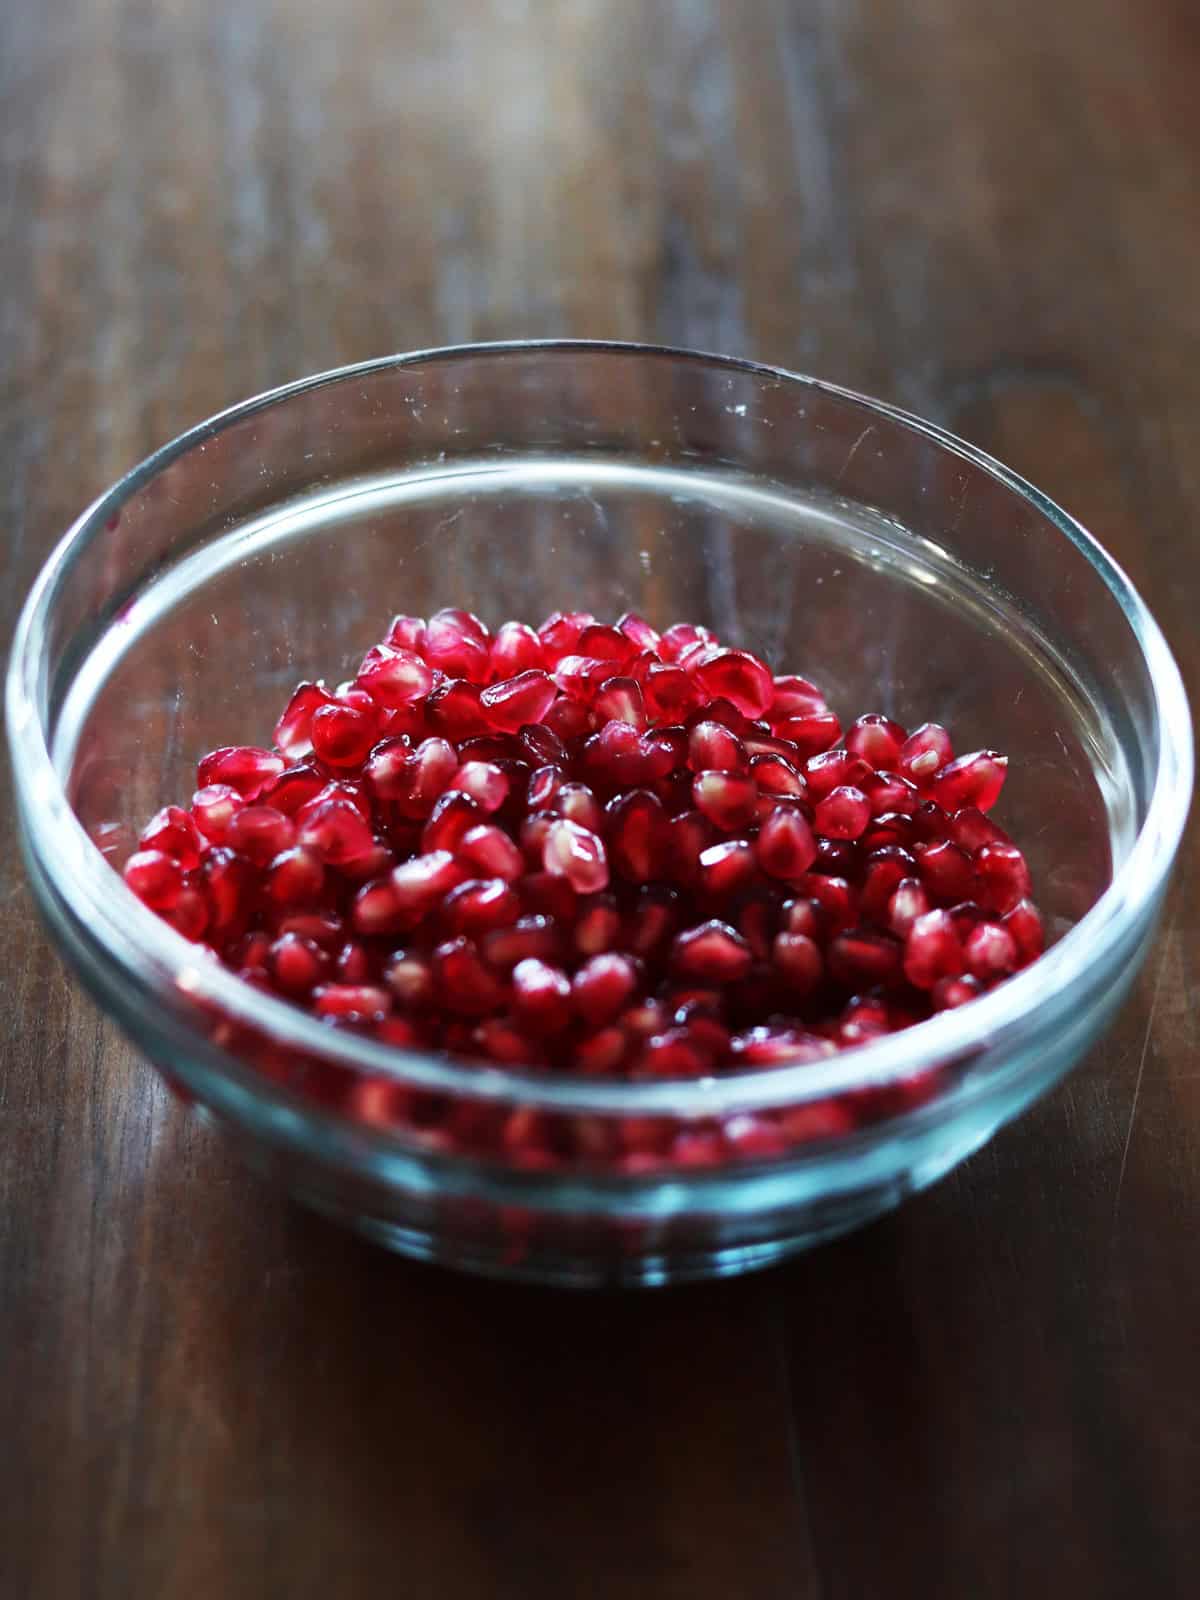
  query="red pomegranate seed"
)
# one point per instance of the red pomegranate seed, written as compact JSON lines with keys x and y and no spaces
{"x":974,"y":780}
{"x":932,"y":950}
{"x":189,"y":914}
{"x":843,"y":814}
{"x":602,"y":1053}
{"x":293,"y":789}
{"x":407,"y":633}
{"x":803,"y":916}
{"x":541,"y":996}
{"x":837,"y":899}
{"x":668,"y":691}
{"x":1024,"y":923}
{"x":156,"y":878}
{"x":296,"y":965}
{"x":947,"y":993}
{"x":424,"y":881}
{"x":990,"y":952}
{"x":798,"y":960}
{"x":530,"y":938}
{"x":861,"y":958}
{"x":483,"y":782}
{"x":515,"y":649}
{"x":515,"y":702}
{"x":834,"y":769}
{"x":394,"y":678}
{"x":261,"y":833}
{"x":892,"y":828}
{"x":1003,"y":877}
{"x":795,"y":697}
{"x":930,"y":823}
{"x":726,"y":869}
{"x":335,"y":830}
{"x":776,"y":777}
{"x":576,"y":854}
{"x":292,"y":731}
{"x":378,"y":909}
{"x":653,"y":921}
{"x":907,"y":904}
{"x":890,"y":794}
{"x":780,"y":1047}
{"x":681,"y":636}
{"x":674,"y":1054}
{"x":429,"y":773}
{"x":884,"y":869}
{"x":635,"y":824}
{"x":352,"y":1000}
{"x":410,"y":979}
{"x":785,"y":846}
{"x":387,"y":769}
{"x":490,"y":850}
{"x":598,"y":925}
{"x":544,"y":895}
{"x":462,"y":983}
{"x":713,"y":951}
{"x":947,"y":873}
{"x":454,"y":708}
{"x":639,"y":631}
{"x":725,"y":798}
{"x":711,"y":747}
{"x":602,"y":986}
{"x":576,"y":802}
{"x":480,"y":905}
{"x":560,"y":632}
{"x":603,"y":643}
{"x":342,"y":736}
{"x":621,"y":700}
{"x":241,"y":767}
{"x":971,"y":830}
{"x":738,"y":676}
{"x":174,"y":833}
{"x":810,"y":734}
{"x":457,"y":643}
{"x":229,"y":881}
{"x":878,"y":740}
{"x":923,"y":754}
{"x":451,"y":819}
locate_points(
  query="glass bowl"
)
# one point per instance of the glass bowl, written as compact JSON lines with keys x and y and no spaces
{"x":903,"y":569}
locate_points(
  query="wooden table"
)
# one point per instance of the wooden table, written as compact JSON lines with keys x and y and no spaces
{"x":988,"y":213}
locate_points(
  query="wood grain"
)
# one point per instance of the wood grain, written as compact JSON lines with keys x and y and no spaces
{"x":990,"y":214}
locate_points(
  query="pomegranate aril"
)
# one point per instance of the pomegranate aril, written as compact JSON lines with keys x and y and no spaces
{"x":843,"y":814}
{"x":727,"y":869}
{"x":668,"y":691}
{"x":673,"y":1054}
{"x":500,"y":1041}
{"x":770,"y":1046}
{"x":519,"y":701}
{"x":907,"y":904}
{"x":174,"y":833}
{"x":621,"y":699}
{"x":683,"y":636}
{"x":490,"y":851}
{"x":948,"y":993}
{"x":292,"y":731}
{"x":294,"y":788}
{"x":890,"y":794}
{"x":560,"y":631}
{"x":727,"y":799}
{"x":712,"y":951}
{"x":990,"y":952}
{"x":530,"y":938}
{"x":776,"y":777}
{"x":947,"y":872}
{"x":352,"y":1001}
{"x":634,"y":823}
{"x":296,"y":965}
{"x":1024,"y":923}
{"x":516,"y":648}
{"x":377,"y":909}
{"x":653,"y":921}
{"x":335,"y":830}
{"x":544,"y":895}
{"x":738,"y":676}
{"x":189,"y":914}
{"x":244,"y":768}
{"x":932,"y":950}
{"x":930,"y":824}
{"x":922,"y":755}
{"x":452,"y":818}
{"x":463,"y":984}
{"x":407,"y":633}
{"x":1003,"y":877}
{"x":260,"y":833}
{"x":394,"y":678}
{"x":541,"y":996}
{"x":421,"y":882}
{"x":457,"y":644}
{"x":810,"y":734}
{"x":213,"y":808}
{"x":602,"y":986}
{"x":891,"y":828}
{"x":711,"y":747}
{"x":785,"y":847}
{"x":155,"y":877}
{"x":972,"y":780}
{"x":455,"y":710}
{"x":577,"y":803}
{"x":861,"y":958}
{"x":229,"y":881}
{"x":794,"y":696}
{"x":878,"y":740}
{"x":429,"y":773}
{"x":483,"y":782}
{"x":325,"y":928}
{"x":834,"y":769}
{"x":798,"y":960}
{"x":576,"y":854}
{"x":480,"y":905}
{"x":639,"y":631}
{"x":410,"y":978}
{"x":837,"y":899}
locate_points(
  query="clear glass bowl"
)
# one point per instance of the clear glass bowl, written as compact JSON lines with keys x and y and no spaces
{"x":903,"y":569}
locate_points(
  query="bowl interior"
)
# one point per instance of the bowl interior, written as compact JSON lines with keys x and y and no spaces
{"x":835,"y":538}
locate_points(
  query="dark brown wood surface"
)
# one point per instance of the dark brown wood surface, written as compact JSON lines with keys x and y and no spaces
{"x":987,"y":212}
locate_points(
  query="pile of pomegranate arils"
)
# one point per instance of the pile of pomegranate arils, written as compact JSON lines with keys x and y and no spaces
{"x":595,"y":849}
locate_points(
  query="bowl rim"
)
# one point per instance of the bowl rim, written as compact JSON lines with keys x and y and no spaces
{"x":153,"y":953}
